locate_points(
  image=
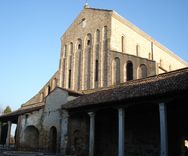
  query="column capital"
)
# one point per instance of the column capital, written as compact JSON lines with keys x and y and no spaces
{"x":91,"y":114}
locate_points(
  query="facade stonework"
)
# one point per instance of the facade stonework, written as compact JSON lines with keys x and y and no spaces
{"x":106,"y":89}
{"x":88,"y":47}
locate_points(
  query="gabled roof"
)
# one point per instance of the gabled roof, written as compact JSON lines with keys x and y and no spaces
{"x":161,"y":85}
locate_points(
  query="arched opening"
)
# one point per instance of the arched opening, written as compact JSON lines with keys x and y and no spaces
{"x":71,"y":48}
{"x":53,"y":139}
{"x":65,"y":51}
{"x":48,"y":90}
{"x":129,"y":71}
{"x":88,"y":59}
{"x":78,"y":64}
{"x":116,"y":71}
{"x":31,"y":138}
{"x":96,"y":57}
{"x":97,"y":36}
{"x":142,"y":71}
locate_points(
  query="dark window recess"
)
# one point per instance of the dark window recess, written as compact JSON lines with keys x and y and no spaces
{"x":49,"y":89}
{"x":69,"y":84}
{"x":79,"y":46}
{"x":129,"y":71}
{"x":88,"y":42}
{"x":96,"y":70}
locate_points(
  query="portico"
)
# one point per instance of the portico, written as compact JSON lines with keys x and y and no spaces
{"x":134,"y":119}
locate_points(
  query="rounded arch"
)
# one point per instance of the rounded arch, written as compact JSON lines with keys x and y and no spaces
{"x":88,"y":60}
{"x":79,"y":44}
{"x":71,"y":49}
{"x":53,"y":139}
{"x":48,"y":90}
{"x":31,"y":137}
{"x":116,"y":71}
{"x":129,"y":71}
{"x":142,"y":71}
{"x":97,"y":36}
{"x":65,"y":51}
{"x":105,"y":32}
{"x":78,"y":57}
{"x":88,"y":40}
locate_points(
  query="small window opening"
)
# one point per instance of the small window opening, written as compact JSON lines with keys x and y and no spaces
{"x":69,"y":84}
{"x":96,"y":71}
{"x":88,"y":42}
{"x":79,"y":46}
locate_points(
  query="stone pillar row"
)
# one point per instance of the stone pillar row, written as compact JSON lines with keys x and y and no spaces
{"x":8,"y":133}
{"x":121,"y":131}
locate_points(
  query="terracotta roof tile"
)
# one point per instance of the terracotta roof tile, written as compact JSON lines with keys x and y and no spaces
{"x":175,"y":81}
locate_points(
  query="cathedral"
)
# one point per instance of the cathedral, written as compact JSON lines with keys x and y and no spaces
{"x":108,"y":67}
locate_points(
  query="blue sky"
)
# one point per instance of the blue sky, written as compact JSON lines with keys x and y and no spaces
{"x":30,"y":32}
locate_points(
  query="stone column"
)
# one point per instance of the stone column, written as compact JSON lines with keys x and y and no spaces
{"x":8,"y":133}
{"x":163,"y":130}
{"x":92,"y":134}
{"x":121,"y":134}
{"x":64,"y":132}
{"x":0,"y":131}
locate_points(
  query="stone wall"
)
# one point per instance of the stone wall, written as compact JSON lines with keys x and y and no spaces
{"x":46,"y":122}
{"x":138,"y":43}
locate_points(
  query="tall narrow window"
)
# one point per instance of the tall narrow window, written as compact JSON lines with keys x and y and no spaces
{"x":129,"y":71}
{"x":65,"y":51}
{"x":78,"y":65}
{"x":116,"y":71}
{"x":69,"y":83}
{"x":122,"y":44}
{"x":71,"y":48}
{"x":96,"y":71}
{"x":48,"y":90}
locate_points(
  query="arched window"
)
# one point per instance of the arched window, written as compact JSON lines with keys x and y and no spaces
{"x":65,"y":51}
{"x":88,"y":59}
{"x":31,"y":138}
{"x":129,"y":71}
{"x":78,"y":64}
{"x":48,"y":89}
{"x":137,"y":50}
{"x":142,"y":71}
{"x":96,"y":57}
{"x":105,"y":33}
{"x":71,"y":48}
{"x":116,"y":71}
{"x":97,"y":36}
{"x":53,"y":139}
